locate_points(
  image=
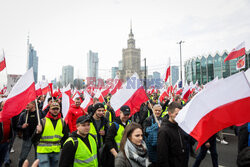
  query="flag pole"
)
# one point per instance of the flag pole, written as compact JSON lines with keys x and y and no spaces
{"x":37,"y":112}
{"x":5,"y":68}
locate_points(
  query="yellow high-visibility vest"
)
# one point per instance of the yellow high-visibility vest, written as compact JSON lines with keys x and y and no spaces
{"x":51,"y":137}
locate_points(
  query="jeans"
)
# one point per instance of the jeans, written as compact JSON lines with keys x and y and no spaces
{"x":26,"y":147}
{"x":48,"y":159}
{"x":4,"y":148}
{"x":203,"y":153}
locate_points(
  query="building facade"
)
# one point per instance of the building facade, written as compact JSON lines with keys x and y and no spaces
{"x":174,"y":74}
{"x":92,"y":64}
{"x":32,"y":60}
{"x":204,"y":69}
{"x":114,"y":71}
{"x":131,"y":60}
{"x":67,"y":75}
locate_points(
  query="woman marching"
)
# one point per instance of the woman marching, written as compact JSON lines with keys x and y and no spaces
{"x":133,"y":150}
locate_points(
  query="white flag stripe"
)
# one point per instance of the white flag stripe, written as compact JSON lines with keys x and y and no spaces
{"x":65,"y":104}
{"x":222,"y":92}
{"x":117,"y":100}
{"x":22,"y":84}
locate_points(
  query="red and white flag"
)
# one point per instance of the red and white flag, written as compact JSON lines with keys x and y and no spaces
{"x":167,"y":71}
{"x":99,"y":96}
{"x":186,"y":92}
{"x":117,"y":85}
{"x":4,"y":90}
{"x":65,"y":104}
{"x":240,"y":64}
{"x":45,"y":103}
{"x":38,"y":89}
{"x":236,"y":52}
{"x":67,"y":90}
{"x":21,"y":94}
{"x":163,"y":94}
{"x":222,"y":105}
{"x":131,"y":94}
{"x":45,"y":87}
{"x":2,"y":62}
{"x":88,"y":100}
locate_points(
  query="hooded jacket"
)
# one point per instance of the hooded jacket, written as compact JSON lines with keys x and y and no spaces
{"x":73,"y":113}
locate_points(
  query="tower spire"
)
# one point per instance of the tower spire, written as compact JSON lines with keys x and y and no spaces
{"x":131,"y":26}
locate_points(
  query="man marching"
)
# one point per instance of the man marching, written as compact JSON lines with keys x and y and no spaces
{"x":51,"y":134}
{"x":80,"y":149}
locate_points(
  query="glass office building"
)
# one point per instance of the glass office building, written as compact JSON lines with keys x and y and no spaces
{"x":205,"y":68}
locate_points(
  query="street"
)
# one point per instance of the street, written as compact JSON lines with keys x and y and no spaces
{"x":227,"y":153}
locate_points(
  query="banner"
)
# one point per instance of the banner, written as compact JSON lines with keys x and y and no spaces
{"x":240,"y":63}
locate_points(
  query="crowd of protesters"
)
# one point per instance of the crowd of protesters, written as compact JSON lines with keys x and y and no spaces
{"x":96,"y":137}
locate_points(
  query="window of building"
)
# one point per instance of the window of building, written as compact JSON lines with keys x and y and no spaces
{"x":210,"y":68}
{"x":225,"y":66}
{"x":204,"y":70}
{"x":198,"y":70}
{"x":217,"y":66}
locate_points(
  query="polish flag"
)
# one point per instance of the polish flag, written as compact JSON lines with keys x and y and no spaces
{"x":215,"y":108}
{"x":163,"y":94}
{"x":2,"y":62}
{"x":4,"y":90}
{"x":38,"y":89}
{"x":65,"y":104}
{"x":99,"y":96}
{"x":106,"y":91}
{"x":236,"y":52}
{"x":76,"y":95}
{"x":167,"y":71}
{"x":131,"y":94}
{"x":45,"y":87}
{"x":88,"y":100}
{"x":67,"y":90}
{"x":45,"y":103}
{"x":21,"y":94}
{"x":186,"y":92}
{"x":117,"y":85}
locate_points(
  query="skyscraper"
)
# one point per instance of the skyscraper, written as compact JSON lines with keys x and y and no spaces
{"x":92,"y":64}
{"x":67,"y":75}
{"x":32,"y":60}
{"x":174,"y":74}
{"x":113,"y":72}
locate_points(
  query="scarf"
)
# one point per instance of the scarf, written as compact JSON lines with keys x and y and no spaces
{"x":136,"y":155}
{"x":55,"y":118}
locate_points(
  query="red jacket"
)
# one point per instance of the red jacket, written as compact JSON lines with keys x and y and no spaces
{"x":73,"y":114}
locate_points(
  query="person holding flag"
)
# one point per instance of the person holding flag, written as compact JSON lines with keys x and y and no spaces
{"x":50,"y":135}
{"x":28,"y":121}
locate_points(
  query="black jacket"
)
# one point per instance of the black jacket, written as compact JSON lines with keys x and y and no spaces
{"x":171,"y":147}
{"x":104,"y":122}
{"x":107,"y":158}
{"x":69,"y":150}
{"x":143,"y":113}
{"x":243,"y":137}
{"x":32,"y":121}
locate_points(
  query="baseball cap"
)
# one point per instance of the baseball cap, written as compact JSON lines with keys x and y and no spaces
{"x":54,"y":105}
{"x":125,"y":109}
{"x":82,"y":119}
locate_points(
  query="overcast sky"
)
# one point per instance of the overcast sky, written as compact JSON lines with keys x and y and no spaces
{"x":63,"y":31}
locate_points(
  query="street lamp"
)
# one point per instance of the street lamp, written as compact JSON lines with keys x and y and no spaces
{"x":180,"y":59}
